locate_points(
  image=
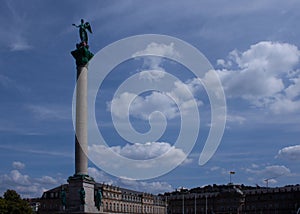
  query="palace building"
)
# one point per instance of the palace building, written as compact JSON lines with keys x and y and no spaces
{"x":235,"y":199}
{"x":114,"y":200}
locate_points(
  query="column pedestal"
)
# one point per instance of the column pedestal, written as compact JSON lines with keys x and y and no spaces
{"x":81,"y":195}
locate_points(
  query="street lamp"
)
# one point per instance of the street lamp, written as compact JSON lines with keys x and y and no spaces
{"x":195,"y":205}
{"x":205,"y":204}
{"x":182,"y":203}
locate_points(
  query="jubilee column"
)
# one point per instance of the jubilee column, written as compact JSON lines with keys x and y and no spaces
{"x":82,"y":56}
{"x":81,"y":190}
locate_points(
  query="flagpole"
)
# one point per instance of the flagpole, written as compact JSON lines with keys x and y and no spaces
{"x":231,"y":173}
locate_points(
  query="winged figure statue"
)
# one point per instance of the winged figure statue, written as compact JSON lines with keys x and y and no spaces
{"x":82,"y":30}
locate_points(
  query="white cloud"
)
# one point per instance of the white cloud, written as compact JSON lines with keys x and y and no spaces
{"x":10,"y":84}
{"x":29,"y":187}
{"x":214,"y":168}
{"x":223,"y":63}
{"x":218,"y":170}
{"x":264,"y":75}
{"x":143,"y":151}
{"x":142,"y":107}
{"x":116,"y":106}
{"x":148,"y":151}
{"x":235,"y":118}
{"x":40,"y":152}
{"x":290,"y":153}
{"x":16,"y":29}
{"x":154,"y":187}
{"x":156,"y":101}
{"x":50,"y":112}
{"x":5,"y":81}
{"x":16,"y":177}
{"x":18,"y":165}
{"x":19,"y":44}
{"x":276,"y":170}
{"x":179,"y":92}
{"x":281,"y":104}
{"x":151,"y":150}
{"x":100,"y":176}
{"x":272,"y":57}
{"x":293,"y":90}
{"x":153,"y":53}
{"x":47,"y":180}
{"x":152,"y":75}
{"x":25,"y":185}
{"x":269,"y":172}
{"x":254,"y":166}
{"x":159,"y":49}
{"x":168,"y":103}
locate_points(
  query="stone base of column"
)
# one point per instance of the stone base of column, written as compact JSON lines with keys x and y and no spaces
{"x":81,"y":195}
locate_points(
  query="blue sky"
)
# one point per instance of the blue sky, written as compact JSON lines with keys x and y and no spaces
{"x":253,"y":46}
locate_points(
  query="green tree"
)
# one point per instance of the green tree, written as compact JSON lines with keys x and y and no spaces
{"x":11,"y":195}
{"x":12,"y":203}
{"x":3,"y":206}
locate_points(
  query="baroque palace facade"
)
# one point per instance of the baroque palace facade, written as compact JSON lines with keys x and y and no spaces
{"x":120,"y":200}
{"x":235,"y":199}
{"x":114,"y":200}
{"x":211,"y":199}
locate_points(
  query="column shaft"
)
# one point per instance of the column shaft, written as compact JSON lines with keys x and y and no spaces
{"x":81,"y":137}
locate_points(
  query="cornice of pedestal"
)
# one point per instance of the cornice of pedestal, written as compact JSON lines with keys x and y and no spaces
{"x":81,"y":177}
